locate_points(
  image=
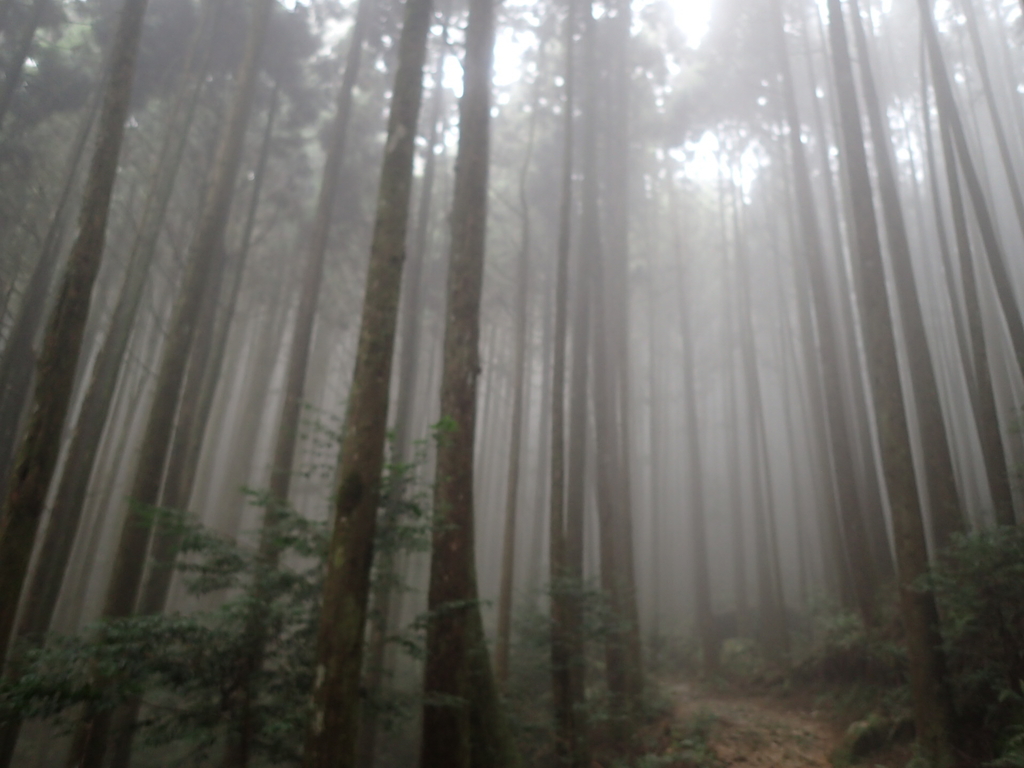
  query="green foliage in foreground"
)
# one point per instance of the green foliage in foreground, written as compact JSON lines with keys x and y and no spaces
{"x":189,"y":670}
{"x":979,"y":585}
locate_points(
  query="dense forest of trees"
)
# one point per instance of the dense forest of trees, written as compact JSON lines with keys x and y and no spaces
{"x":390,"y":383}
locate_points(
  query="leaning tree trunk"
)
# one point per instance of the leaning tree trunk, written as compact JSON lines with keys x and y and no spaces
{"x":331,"y":738}
{"x":986,"y":412}
{"x":206,"y":247}
{"x":83,"y":450}
{"x":949,"y":115}
{"x":928,"y":686}
{"x":862,"y":576}
{"x":62,"y":342}
{"x":943,"y":498}
{"x":16,"y":364}
{"x":463,"y":726}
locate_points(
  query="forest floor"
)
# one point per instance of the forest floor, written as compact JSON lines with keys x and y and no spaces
{"x":758,"y":729}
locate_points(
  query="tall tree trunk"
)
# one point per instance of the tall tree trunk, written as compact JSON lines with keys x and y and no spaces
{"x":466,"y":729}
{"x":985,"y":410}
{"x":943,"y":498}
{"x":774,"y":631}
{"x":932,"y":704}
{"x":62,"y":342}
{"x":569,"y":738}
{"x":504,"y":630}
{"x":695,"y":474}
{"x":207,"y":246}
{"x":863,"y":577}
{"x":332,"y":734}
{"x":388,"y":564}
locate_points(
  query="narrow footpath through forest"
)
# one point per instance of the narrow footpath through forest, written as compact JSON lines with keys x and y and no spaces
{"x":758,"y":729}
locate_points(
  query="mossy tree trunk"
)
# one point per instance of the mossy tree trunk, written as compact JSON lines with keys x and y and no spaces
{"x":331,"y":738}
{"x":463,"y":726}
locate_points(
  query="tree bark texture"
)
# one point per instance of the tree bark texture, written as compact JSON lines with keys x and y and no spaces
{"x":463,"y":726}
{"x":332,"y":733}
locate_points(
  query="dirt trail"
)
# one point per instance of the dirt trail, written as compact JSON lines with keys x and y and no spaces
{"x":759,"y":730}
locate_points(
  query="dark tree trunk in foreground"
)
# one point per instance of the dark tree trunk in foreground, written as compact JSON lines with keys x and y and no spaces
{"x":207,"y":246}
{"x":463,"y":726}
{"x":55,"y":369}
{"x":389,"y":563}
{"x":332,"y":734}
{"x":932,"y":705}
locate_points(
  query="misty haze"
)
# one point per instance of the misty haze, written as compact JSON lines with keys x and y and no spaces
{"x":500,"y":384}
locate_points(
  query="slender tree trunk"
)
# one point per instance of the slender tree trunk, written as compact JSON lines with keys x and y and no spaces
{"x":332,"y":734}
{"x":501,"y":648}
{"x":863,"y":577}
{"x":932,"y":705}
{"x":386,"y":608}
{"x":943,"y":498}
{"x":206,"y":247}
{"x":467,"y":728}
{"x":62,"y":341}
{"x":695,"y":475}
{"x":569,"y":739}
{"x":774,"y":631}
{"x":985,"y":410}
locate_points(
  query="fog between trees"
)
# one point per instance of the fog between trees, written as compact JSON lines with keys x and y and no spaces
{"x":450,"y":376}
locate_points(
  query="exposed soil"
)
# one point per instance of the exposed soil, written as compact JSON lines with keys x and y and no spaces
{"x":760,"y":730}
{"x":752,"y":730}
